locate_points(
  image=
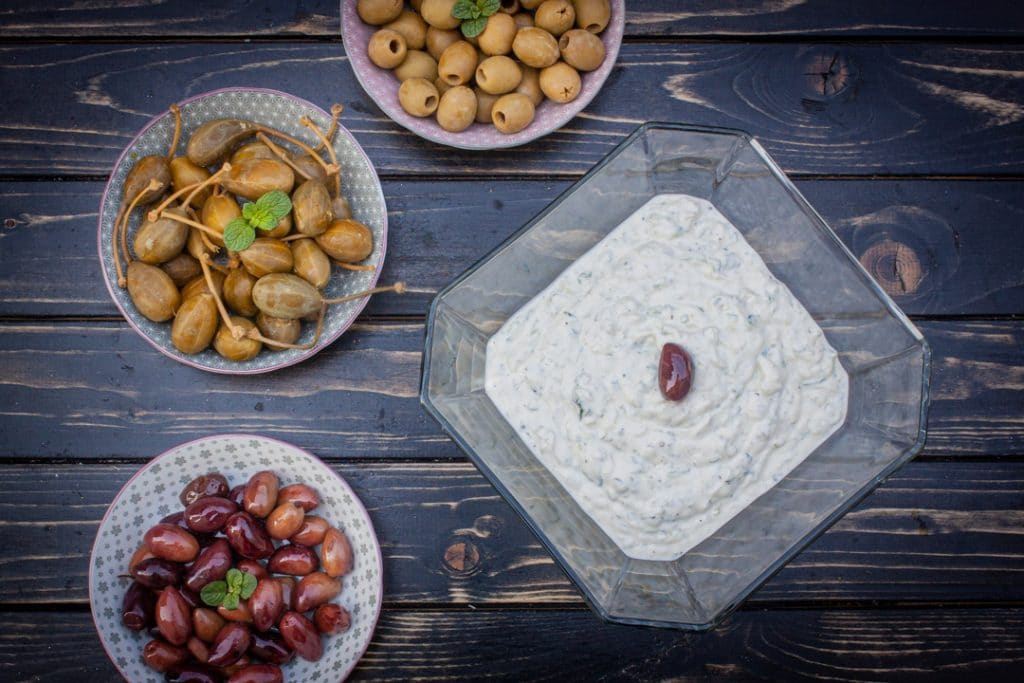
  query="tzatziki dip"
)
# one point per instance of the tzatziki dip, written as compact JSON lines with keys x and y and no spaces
{"x":575,"y":372}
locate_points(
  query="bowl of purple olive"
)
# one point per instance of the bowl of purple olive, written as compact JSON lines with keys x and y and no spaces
{"x":235,"y":558}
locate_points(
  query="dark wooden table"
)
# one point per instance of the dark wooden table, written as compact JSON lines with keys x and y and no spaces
{"x":902,"y":122}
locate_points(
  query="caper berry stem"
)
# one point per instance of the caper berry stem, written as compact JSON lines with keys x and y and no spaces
{"x":122,"y":237}
{"x":205,"y":229}
{"x":308,"y":123}
{"x":397,"y":288}
{"x":176,"y":110}
{"x":255,"y":334}
{"x":282,"y":155}
{"x":353,"y":266}
{"x":336,"y":110}
{"x":298,"y":143}
{"x":192,"y":189}
{"x":236,"y":331}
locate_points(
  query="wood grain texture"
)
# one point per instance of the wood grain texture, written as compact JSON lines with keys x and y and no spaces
{"x":934,"y":531}
{"x":861,"y":109}
{"x":89,"y":389}
{"x":924,"y":645}
{"x":319,"y":18}
{"x":938,"y":247}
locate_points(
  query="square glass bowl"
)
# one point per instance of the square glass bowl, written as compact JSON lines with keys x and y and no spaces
{"x":885,"y":356}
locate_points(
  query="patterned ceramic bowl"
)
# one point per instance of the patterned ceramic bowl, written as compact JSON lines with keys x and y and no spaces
{"x":281,"y":111}
{"x":382,"y":86}
{"x":153,"y":493}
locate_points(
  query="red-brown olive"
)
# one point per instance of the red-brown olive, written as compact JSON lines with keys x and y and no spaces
{"x":258,"y":673}
{"x":270,"y":647}
{"x":266,"y":604}
{"x":193,"y":672}
{"x":284,"y":521}
{"x":207,"y":515}
{"x":172,"y":543}
{"x":199,"y":649}
{"x":173,"y":616}
{"x":248,"y":537}
{"x":336,"y":553}
{"x":137,"y":607}
{"x":156,"y":573}
{"x":205,"y":485}
{"x":300,"y":494}
{"x":230,"y":644}
{"x":288,"y":584}
{"x":206,"y":623}
{"x":163,"y":656}
{"x":675,"y":372}
{"x":211,"y":565}
{"x":261,"y":494}
{"x":301,"y":636}
{"x":253,"y":567}
{"x":311,"y":532}
{"x":237,"y":495}
{"x":314,"y":590}
{"x":241,"y":613}
{"x":294,"y":560}
{"x":331,"y":618}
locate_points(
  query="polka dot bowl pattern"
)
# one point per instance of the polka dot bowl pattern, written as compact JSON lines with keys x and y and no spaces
{"x":382,"y":86}
{"x":360,"y":186}
{"x":152,"y":493}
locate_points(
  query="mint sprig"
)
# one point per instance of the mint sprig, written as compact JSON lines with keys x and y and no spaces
{"x":263,"y":214}
{"x":236,"y":586}
{"x":473,"y":14}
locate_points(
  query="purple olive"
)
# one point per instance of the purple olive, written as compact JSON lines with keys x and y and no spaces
{"x":212,"y":564}
{"x":137,"y":608}
{"x":270,"y":647}
{"x":247,"y":537}
{"x":295,"y":560}
{"x":206,"y":485}
{"x":230,"y":644}
{"x":156,"y":573}
{"x":207,"y":515}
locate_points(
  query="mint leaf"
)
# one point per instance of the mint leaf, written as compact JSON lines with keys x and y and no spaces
{"x":230,"y":601}
{"x":234,"y":579}
{"x":488,"y":7}
{"x":238,"y":235}
{"x":249,"y":210}
{"x":248,"y":586}
{"x":463,"y":9}
{"x":277,"y":204}
{"x":471,"y":28}
{"x":213,"y":593}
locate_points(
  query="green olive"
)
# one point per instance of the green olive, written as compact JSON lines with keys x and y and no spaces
{"x":442,"y":86}
{"x":484,"y":103}
{"x":198,"y":285}
{"x":560,"y":82}
{"x":417,"y":64}
{"x":457,"y":63}
{"x":418,"y":97}
{"x":311,"y":207}
{"x":195,"y":324}
{"x":347,"y":240}
{"x":498,"y":75}
{"x":253,"y":178}
{"x":512,"y":113}
{"x":377,"y":12}
{"x":311,"y":263}
{"x":535,"y":47}
{"x":284,"y":295}
{"x":438,"y":40}
{"x":555,"y":16}
{"x":497,"y":36}
{"x":438,"y":13}
{"x":185,"y":173}
{"x":387,"y":48}
{"x":238,"y":291}
{"x":457,"y":109}
{"x":582,"y":50}
{"x":593,"y":15}
{"x":266,"y":255}
{"x":152,"y":291}
{"x":237,"y":350}
{"x":530,"y":85}
{"x":182,"y":268}
{"x":412,"y":27}
{"x":160,"y":240}
{"x":285,"y":330}
{"x":213,"y":141}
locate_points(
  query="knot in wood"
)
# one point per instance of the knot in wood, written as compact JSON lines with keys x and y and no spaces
{"x":895,"y":266}
{"x":461,"y":556}
{"x":826,"y":74}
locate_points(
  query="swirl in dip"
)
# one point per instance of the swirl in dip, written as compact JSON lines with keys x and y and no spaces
{"x":575,"y":372}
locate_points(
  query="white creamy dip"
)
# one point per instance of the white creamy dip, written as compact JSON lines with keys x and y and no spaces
{"x":575,"y":372}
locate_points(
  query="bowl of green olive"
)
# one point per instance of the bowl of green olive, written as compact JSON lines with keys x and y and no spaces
{"x":482,"y":74}
{"x":242,"y":230}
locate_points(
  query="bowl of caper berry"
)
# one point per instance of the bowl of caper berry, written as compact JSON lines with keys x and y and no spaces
{"x":482,"y":74}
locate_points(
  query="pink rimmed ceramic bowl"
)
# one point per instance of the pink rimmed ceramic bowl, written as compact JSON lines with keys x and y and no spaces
{"x":382,"y":86}
{"x":152,"y":493}
{"x":279,"y":110}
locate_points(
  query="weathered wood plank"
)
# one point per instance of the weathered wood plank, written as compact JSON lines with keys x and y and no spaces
{"x":850,"y":645}
{"x":87,"y":390}
{"x":939,"y":247}
{"x":319,"y":18}
{"x":863,"y":109}
{"x":934,"y":531}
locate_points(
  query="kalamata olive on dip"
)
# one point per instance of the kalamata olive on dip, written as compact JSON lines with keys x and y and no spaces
{"x":675,"y":372}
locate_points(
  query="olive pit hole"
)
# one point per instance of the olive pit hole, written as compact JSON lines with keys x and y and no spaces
{"x":563,"y":42}
{"x":393,"y":46}
{"x":452,"y":79}
{"x":430,"y":102}
{"x":500,"y":115}
{"x":594,"y":28}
